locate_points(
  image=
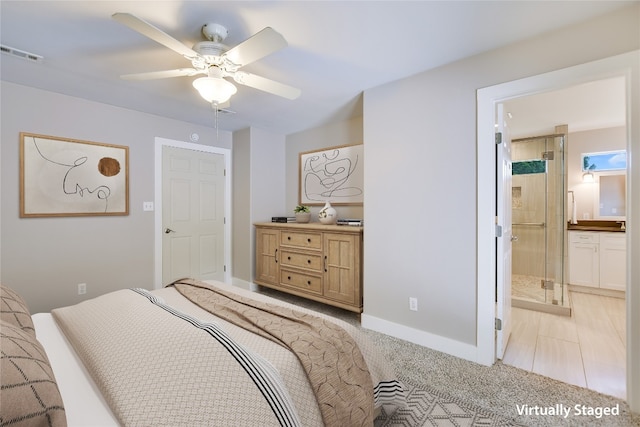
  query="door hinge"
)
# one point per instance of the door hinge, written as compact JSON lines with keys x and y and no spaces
{"x":498,"y":324}
{"x":547,"y":155}
{"x":224,"y":268}
{"x":498,"y":230}
{"x":498,"y":138}
{"x":547,"y":284}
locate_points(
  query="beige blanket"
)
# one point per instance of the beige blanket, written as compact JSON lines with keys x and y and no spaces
{"x":172,"y":363}
{"x":332,"y":360}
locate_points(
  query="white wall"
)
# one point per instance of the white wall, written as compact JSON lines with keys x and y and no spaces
{"x":591,"y":141}
{"x":45,"y":258}
{"x":421,"y":164}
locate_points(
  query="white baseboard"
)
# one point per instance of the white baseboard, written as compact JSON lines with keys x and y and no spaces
{"x":425,"y":339}
{"x":244,"y":284}
{"x":597,"y":291}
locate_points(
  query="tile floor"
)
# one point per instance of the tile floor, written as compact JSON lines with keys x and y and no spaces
{"x":528,"y":288}
{"x":587,"y":349}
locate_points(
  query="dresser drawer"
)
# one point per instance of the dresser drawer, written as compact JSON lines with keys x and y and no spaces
{"x":299,"y":239}
{"x":301,"y":260}
{"x":306,"y":282}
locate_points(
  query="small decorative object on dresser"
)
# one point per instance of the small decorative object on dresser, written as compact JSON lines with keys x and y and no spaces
{"x":327,"y":214}
{"x":303,"y":214}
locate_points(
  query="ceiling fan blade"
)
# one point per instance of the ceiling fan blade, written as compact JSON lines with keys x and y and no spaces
{"x":266,"y":85}
{"x":154,"y":33}
{"x":153,"y":75}
{"x":255,"y":47}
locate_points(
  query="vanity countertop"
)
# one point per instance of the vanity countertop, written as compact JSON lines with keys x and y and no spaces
{"x":597,"y":225}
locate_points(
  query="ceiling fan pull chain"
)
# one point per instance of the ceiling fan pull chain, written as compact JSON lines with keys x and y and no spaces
{"x":215,"y":108}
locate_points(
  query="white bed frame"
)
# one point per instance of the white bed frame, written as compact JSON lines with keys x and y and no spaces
{"x":83,"y":402}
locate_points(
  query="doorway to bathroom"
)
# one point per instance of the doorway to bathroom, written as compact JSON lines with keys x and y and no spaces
{"x":625,"y":65}
{"x":585,"y":344}
{"x":538,"y":205}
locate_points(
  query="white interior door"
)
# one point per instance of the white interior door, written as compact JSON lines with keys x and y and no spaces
{"x":193,"y":222}
{"x":504,"y":238}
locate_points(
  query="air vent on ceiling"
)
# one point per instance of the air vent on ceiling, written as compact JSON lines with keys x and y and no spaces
{"x":21,"y":54}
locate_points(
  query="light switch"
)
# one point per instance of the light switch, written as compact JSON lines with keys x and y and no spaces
{"x":147,"y":206}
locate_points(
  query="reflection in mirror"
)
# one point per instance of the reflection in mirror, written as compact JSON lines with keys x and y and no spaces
{"x":612,"y":197}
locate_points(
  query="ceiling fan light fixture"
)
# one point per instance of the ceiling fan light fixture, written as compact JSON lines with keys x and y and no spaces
{"x":215,"y":90}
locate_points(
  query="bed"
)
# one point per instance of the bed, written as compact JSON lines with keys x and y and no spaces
{"x":193,"y":353}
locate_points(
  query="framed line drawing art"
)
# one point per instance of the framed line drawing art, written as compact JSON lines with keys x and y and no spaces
{"x":333,"y":174}
{"x":69,"y":177}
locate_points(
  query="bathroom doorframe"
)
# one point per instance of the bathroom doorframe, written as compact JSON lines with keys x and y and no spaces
{"x":624,"y":65}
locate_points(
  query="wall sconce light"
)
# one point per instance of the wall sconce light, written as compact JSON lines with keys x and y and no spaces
{"x":588,"y":177}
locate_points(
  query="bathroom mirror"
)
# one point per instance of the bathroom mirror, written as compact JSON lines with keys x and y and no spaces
{"x":611,"y":197}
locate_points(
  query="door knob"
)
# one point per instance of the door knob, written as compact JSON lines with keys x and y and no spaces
{"x":168,"y":230}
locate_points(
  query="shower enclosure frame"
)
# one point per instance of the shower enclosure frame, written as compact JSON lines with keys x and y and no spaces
{"x":551,"y":270}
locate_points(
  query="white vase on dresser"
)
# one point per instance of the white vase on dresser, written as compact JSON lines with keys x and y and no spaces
{"x":327,"y":214}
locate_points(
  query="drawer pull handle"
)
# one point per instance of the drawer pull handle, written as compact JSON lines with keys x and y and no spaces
{"x":288,"y":277}
{"x":308,"y":240}
{"x":309,"y":282}
{"x":276,"y":255}
{"x":289,"y":258}
{"x":288,"y":237}
{"x":308,"y":261}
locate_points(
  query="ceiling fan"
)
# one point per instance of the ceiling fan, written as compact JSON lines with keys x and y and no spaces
{"x":215,"y":60}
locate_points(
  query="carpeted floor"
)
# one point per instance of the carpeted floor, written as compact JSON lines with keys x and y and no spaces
{"x":447,"y":391}
{"x":428,"y":407}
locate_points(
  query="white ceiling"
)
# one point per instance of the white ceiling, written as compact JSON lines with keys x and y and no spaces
{"x":337,"y":49}
{"x":594,"y":105}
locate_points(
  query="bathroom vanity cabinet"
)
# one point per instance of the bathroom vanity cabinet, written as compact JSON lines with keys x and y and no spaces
{"x":613,"y":261}
{"x":314,"y":261}
{"x":598,"y":259}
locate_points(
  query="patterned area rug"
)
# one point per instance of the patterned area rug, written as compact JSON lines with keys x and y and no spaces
{"x":432,"y":408}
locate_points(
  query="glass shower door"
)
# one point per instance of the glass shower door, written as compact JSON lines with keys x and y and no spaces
{"x":538,"y":212}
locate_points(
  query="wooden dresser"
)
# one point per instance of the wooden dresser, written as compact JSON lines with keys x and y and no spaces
{"x":314,"y":261}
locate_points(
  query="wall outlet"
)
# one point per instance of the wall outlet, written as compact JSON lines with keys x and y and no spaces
{"x":413,"y":304}
{"x":147,"y":206}
{"x":82,"y":288}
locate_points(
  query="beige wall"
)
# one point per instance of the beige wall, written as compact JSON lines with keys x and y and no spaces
{"x":46,"y":258}
{"x":258,"y":180}
{"x":591,"y":141}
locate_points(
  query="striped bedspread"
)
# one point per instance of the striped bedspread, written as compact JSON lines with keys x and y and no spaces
{"x":162,"y":360}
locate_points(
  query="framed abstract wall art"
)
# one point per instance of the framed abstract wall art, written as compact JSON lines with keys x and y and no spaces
{"x":333,"y":174}
{"x":69,"y":177}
